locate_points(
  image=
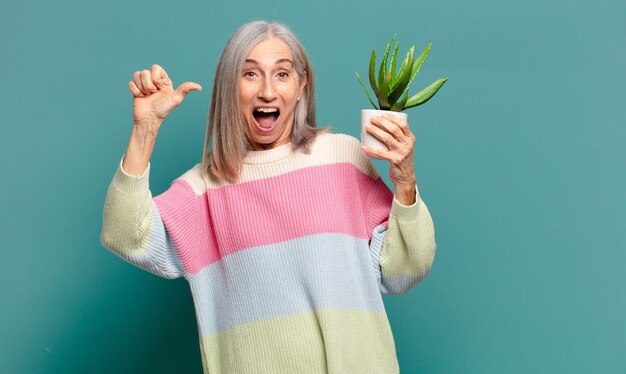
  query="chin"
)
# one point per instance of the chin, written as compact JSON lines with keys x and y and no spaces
{"x":266,"y":138}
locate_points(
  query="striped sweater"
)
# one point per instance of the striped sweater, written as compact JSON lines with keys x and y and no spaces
{"x":286,"y":266}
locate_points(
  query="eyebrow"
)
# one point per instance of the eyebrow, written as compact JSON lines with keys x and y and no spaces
{"x":279,"y":61}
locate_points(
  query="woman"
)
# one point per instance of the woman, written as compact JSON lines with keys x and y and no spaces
{"x":285,"y":232}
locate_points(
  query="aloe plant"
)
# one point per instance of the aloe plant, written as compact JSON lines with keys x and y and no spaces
{"x":391,"y":87}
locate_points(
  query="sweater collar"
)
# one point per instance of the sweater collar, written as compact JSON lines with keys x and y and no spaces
{"x":269,"y":155}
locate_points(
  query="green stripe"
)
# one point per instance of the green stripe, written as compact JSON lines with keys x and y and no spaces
{"x":333,"y":341}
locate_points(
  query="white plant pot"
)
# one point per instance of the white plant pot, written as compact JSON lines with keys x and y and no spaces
{"x":370,"y":140}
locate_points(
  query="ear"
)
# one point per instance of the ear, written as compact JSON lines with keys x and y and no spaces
{"x":303,"y":82}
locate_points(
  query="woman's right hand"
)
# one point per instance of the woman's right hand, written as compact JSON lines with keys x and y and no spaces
{"x":154,"y":96}
{"x":153,"y":99}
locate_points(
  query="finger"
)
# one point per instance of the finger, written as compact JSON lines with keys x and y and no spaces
{"x":374,"y":153}
{"x":137,"y":81}
{"x":146,"y":82}
{"x":185,"y":88}
{"x":393,"y":157}
{"x":134,"y":90}
{"x":140,"y":84}
{"x":389,"y":140}
{"x":159,"y":76}
{"x":389,"y":126}
{"x":401,"y":123}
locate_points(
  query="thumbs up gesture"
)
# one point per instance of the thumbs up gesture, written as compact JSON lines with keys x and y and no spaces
{"x":154,"y":96}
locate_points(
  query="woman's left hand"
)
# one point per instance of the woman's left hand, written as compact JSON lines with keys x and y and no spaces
{"x":395,"y":133}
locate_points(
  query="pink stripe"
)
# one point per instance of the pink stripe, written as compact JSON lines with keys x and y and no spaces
{"x":321,"y":199}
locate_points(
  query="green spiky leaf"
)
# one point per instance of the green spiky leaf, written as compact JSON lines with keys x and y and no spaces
{"x":400,"y":105}
{"x":426,"y":94}
{"x":419,"y":61}
{"x":402,"y":86}
{"x":372,"y":73}
{"x":406,"y":64}
{"x":393,"y":61}
{"x":365,"y":90}
{"x":383,"y":100}
{"x":382,"y":72}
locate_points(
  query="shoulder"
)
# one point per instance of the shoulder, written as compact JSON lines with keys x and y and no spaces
{"x":182,"y":193}
{"x":338,"y":143}
{"x":344,"y":148}
{"x":337,"y":138}
{"x":193,"y":178}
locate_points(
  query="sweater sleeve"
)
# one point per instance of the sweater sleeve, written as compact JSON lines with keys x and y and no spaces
{"x":403,"y":246}
{"x":132,"y":227}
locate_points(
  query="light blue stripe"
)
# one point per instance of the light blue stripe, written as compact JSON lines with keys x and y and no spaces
{"x":376,"y":246}
{"x":396,"y":285}
{"x":160,"y":257}
{"x":325,"y":271}
{"x":400,"y":284}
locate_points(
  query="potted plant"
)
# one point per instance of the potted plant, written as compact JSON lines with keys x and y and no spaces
{"x":392,"y":88}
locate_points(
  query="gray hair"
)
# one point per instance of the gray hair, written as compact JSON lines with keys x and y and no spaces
{"x":225,"y":124}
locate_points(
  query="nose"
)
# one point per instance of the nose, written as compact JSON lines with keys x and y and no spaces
{"x":267,"y":91}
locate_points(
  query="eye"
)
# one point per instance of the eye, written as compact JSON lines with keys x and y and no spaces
{"x":283,"y":74}
{"x":249,"y":73}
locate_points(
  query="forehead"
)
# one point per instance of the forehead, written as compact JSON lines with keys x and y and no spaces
{"x":270,"y":50}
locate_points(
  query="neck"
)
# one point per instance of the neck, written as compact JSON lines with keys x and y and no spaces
{"x":265,"y":147}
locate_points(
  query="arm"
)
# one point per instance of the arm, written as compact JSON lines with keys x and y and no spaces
{"x":402,"y":248}
{"x":154,"y":98}
{"x":405,"y":249}
{"x":132,"y":227}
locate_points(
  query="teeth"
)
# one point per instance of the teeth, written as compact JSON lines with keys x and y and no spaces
{"x":266,"y":110}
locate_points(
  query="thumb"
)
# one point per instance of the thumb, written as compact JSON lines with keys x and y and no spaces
{"x":185,"y":88}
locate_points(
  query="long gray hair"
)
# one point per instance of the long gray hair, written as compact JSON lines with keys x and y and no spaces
{"x":223,"y":160}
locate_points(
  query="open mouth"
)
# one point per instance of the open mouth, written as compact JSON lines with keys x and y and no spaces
{"x":266,"y":117}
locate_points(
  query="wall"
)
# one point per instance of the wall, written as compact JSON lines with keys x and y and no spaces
{"x":520,"y":158}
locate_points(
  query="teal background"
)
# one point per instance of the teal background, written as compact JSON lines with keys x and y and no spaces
{"x":520,"y":158}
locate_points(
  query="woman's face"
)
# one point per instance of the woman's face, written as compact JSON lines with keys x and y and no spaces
{"x":269,"y":89}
